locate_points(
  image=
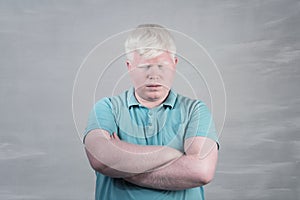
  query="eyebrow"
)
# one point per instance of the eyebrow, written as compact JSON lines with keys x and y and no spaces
{"x":144,"y":65}
{"x":166,"y":62}
{"x":147,"y":64}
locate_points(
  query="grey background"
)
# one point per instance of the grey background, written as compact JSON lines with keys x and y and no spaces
{"x":255,"y":44}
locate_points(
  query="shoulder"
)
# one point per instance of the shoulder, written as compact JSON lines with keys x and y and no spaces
{"x":113,"y":102}
{"x":188,"y":103}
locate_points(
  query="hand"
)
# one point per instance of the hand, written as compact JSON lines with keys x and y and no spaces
{"x":115,"y":136}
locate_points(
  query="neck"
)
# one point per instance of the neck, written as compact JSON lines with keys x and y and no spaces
{"x":148,"y":103}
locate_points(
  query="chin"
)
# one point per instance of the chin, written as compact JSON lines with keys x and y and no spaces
{"x":154,"y":97}
{"x":157,"y":95}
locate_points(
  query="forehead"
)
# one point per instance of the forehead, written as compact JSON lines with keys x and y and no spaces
{"x":163,"y":57}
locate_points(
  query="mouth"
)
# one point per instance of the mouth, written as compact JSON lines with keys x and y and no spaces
{"x":153,"y":86}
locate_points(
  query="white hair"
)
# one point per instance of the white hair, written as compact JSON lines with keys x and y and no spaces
{"x":149,"y":40}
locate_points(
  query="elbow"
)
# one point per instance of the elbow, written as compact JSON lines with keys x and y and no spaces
{"x":99,"y":167}
{"x":204,"y":176}
{"x":205,"y":180}
{"x":95,"y":163}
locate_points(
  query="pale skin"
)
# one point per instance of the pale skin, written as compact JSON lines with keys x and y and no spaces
{"x":118,"y":159}
{"x":158,"y":167}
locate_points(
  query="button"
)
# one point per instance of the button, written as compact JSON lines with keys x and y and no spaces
{"x":150,"y":124}
{"x":150,"y":113}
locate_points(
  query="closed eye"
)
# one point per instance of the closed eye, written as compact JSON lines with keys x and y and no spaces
{"x":144,"y":66}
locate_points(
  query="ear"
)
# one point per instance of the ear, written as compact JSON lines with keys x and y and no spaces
{"x":175,"y":60}
{"x":128,"y":64}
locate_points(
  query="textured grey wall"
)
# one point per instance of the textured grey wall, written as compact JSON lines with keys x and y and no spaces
{"x":255,"y":44}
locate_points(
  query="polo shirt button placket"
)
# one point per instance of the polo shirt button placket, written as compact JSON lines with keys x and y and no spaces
{"x":150,"y":119}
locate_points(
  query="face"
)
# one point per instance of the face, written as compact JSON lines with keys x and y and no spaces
{"x":152,"y":78}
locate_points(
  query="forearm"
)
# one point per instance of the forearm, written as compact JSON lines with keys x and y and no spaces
{"x":180,"y":175}
{"x":191,"y":170}
{"x":122,"y":157}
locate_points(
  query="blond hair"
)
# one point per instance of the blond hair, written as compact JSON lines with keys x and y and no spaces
{"x":149,"y":40}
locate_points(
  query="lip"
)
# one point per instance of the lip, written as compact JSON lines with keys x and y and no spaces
{"x":153,"y":85}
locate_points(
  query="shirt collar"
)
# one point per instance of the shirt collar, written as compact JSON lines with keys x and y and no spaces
{"x":131,"y":100}
{"x":170,"y":101}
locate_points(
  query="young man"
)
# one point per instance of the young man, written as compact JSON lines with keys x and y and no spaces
{"x":150,"y":142}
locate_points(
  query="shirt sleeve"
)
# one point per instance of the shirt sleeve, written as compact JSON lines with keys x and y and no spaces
{"x":101,"y":117}
{"x":201,"y":123}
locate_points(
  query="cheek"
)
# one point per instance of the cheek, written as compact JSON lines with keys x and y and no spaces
{"x":168,"y":75}
{"x":137,"y":77}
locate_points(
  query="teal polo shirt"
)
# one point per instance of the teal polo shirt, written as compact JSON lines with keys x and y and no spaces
{"x":168,"y":124}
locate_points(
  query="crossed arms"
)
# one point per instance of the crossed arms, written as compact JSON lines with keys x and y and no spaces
{"x":158,"y":167}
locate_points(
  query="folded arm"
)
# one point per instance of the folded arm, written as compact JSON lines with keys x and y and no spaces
{"x":118,"y":159}
{"x":195,"y":168}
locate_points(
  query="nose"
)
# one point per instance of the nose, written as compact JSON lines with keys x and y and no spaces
{"x":154,"y":72}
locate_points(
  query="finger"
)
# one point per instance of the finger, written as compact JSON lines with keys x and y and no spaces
{"x":112,"y":136}
{"x":116,"y":136}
